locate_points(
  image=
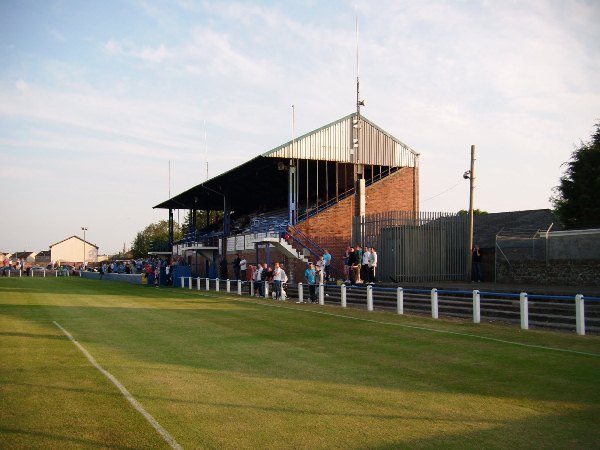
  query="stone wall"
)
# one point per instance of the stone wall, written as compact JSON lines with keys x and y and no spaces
{"x":556,"y":273}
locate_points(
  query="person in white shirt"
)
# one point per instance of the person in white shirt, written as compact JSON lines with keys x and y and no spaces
{"x":364,"y":267}
{"x":277,"y":273}
{"x":243,"y":268}
{"x":258,"y":281}
{"x":372,"y":265}
{"x":284,"y":280}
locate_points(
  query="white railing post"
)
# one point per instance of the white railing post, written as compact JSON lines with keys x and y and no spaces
{"x":321,"y":294}
{"x":300,"y":293}
{"x":580,"y":315}
{"x":217,"y":285}
{"x":343,"y":288}
{"x":190,"y":282}
{"x":207,"y":284}
{"x":369,"y":298}
{"x":182,"y":283}
{"x":400,"y":300}
{"x":227,"y":285}
{"x":476,"y":307}
{"x":524,"y":306}
{"x":266,"y":285}
{"x":80,"y":273}
{"x":434,"y":303}
{"x":198,"y":283}
{"x":239,"y":287}
{"x":252,"y":288}
{"x":44,"y":273}
{"x":55,"y":273}
{"x":20,"y":273}
{"x":8,"y":273}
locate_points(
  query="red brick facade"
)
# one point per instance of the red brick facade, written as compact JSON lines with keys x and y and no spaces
{"x":332,"y":228}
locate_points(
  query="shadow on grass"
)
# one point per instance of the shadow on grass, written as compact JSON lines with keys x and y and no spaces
{"x":78,"y":286}
{"x":524,"y":433}
{"x":32,"y":335}
{"x":58,"y":440}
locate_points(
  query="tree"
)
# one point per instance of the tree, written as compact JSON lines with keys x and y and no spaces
{"x":214,"y":217}
{"x":154,"y":236}
{"x":577,"y":199}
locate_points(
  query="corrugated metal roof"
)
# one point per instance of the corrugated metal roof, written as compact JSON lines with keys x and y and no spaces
{"x":335,"y":142}
{"x":332,"y":142}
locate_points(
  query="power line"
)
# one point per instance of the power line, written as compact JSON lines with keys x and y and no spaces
{"x":443,"y":192}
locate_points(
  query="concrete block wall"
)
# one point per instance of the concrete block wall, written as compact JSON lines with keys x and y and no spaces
{"x":556,"y":273}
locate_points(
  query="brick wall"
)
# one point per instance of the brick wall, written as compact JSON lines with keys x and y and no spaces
{"x":332,"y":228}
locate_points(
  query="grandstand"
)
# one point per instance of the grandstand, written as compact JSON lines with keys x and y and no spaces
{"x":298,"y":199}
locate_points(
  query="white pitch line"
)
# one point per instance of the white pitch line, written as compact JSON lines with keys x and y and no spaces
{"x":416,"y":327}
{"x":130,"y":398}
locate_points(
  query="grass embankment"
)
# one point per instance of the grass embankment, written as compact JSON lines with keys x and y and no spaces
{"x":228,"y":372}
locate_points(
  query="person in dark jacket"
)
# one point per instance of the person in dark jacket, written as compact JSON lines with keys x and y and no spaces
{"x":352,"y":265}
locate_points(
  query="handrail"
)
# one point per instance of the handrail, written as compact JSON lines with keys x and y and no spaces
{"x":320,"y":251}
{"x":321,"y":206}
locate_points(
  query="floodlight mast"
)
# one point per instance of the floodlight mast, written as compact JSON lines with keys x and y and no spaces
{"x":84,"y":229}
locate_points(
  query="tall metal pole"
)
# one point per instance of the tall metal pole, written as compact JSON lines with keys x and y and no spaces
{"x":471,"y":189}
{"x":84,"y":230}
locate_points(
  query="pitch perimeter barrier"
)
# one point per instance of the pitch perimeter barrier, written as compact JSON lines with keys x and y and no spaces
{"x":459,"y":303}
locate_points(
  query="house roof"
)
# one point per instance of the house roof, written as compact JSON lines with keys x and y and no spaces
{"x":25,"y":255}
{"x":43,"y":253}
{"x":487,"y":226}
{"x":76,"y":237}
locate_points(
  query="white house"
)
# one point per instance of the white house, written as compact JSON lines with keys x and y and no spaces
{"x":74,"y":249}
{"x":29,"y":257}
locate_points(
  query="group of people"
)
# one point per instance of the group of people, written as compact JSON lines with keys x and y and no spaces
{"x":360,"y":265}
{"x":265,"y":276}
{"x":9,"y":264}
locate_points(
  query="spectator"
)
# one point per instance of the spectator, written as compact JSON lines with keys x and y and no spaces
{"x":250,"y":276}
{"x":372,"y":265}
{"x":277,"y":281}
{"x":364,"y":268}
{"x":476,"y":260}
{"x":346,"y":264}
{"x":327,"y":261}
{"x":352,"y":265}
{"x":243,"y":265}
{"x":258,"y":278}
{"x":236,"y":266}
{"x":223,"y":269}
{"x":311,"y":278}
{"x":356,"y":266}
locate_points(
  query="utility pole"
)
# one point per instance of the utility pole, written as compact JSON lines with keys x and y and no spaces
{"x":84,"y":229}
{"x":471,"y":190}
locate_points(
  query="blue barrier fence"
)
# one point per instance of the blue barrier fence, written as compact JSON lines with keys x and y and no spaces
{"x":430,"y":295}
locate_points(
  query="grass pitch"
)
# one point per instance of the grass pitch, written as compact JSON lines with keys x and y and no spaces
{"x":221,"y":371}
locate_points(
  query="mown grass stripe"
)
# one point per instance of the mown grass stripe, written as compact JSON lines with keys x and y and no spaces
{"x":130,"y":398}
{"x":416,"y":327}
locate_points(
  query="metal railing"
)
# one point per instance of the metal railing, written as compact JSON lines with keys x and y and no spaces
{"x":549,"y":311}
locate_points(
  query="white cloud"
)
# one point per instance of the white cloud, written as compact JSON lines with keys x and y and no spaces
{"x":517,"y":80}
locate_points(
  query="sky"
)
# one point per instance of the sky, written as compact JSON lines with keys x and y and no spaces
{"x":99,"y":99}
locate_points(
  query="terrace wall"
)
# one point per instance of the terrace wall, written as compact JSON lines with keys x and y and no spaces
{"x":332,"y":228}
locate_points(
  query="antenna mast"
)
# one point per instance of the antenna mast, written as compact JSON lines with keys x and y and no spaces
{"x":358,"y":102}
{"x":206,"y":149}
